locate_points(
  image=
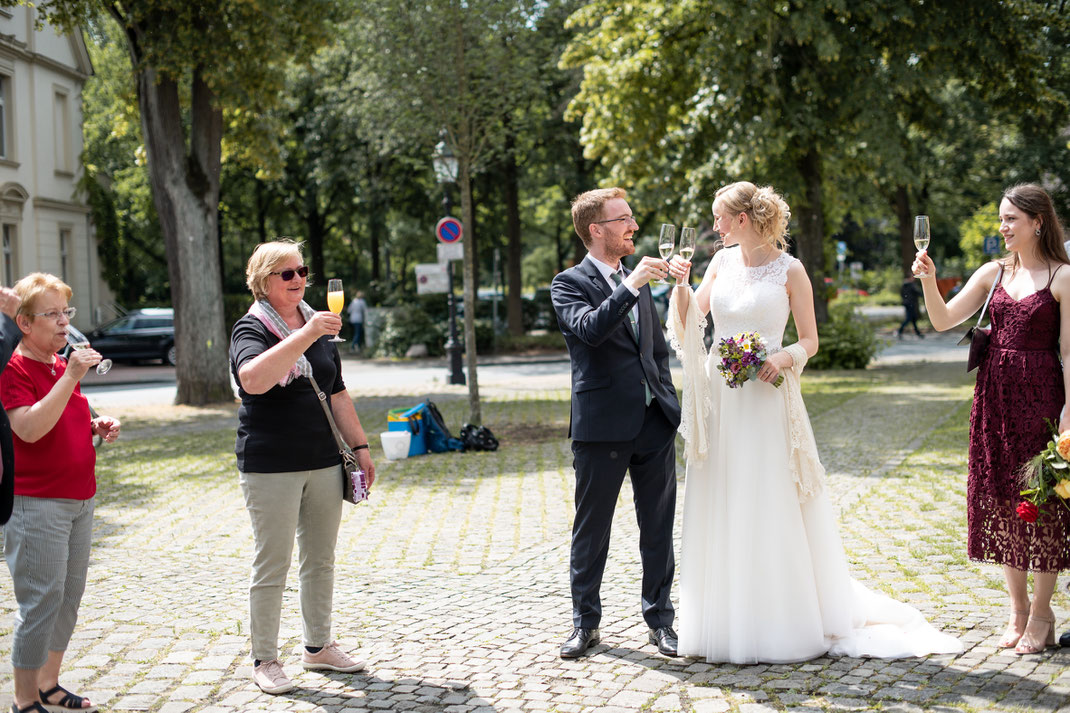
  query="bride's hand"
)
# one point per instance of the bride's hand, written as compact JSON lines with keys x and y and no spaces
{"x":770,"y":370}
{"x":680,"y":269}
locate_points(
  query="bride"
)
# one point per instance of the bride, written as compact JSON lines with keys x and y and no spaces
{"x":763,"y":574}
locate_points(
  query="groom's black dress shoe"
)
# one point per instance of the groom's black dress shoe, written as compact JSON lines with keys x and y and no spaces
{"x":665,"y":639}
{"x":1064,"y":640}
{"x":578,"y":643}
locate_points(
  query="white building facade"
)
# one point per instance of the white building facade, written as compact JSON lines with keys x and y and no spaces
{"x":44,"y":221}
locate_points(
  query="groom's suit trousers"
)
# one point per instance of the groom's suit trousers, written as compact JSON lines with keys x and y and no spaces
{"x":650,"y":459}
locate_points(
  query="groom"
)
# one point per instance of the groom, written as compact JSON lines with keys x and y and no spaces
{"x":624,"y":414}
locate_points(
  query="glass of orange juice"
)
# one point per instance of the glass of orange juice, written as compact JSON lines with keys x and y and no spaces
{"x":335,"y":299}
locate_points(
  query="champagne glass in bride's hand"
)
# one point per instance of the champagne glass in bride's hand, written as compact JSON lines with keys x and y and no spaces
{"x":666,"y":243}
{"x":687,"y":243}
{"x":921,"y":236}
{"x":77,"y":340}
{"x":335,"y":299}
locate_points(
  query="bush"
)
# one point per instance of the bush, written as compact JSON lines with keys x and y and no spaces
{"x":406,"y":325}
{"x":847,"y":341}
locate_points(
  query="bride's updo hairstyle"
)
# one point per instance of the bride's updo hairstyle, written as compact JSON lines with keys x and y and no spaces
{"x":768,"y":212}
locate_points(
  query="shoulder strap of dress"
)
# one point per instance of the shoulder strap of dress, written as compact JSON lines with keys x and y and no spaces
{"x":1051,"y":277}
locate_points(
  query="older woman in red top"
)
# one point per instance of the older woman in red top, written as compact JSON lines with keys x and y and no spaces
{"x":46,"y":542}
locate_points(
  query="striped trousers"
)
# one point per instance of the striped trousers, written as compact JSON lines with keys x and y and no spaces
{"x":46,"y":544}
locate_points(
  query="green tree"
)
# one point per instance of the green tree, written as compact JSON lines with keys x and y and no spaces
{"x":679,"y":98}
{"x":201,"y":69}
{"x":457,"y":72}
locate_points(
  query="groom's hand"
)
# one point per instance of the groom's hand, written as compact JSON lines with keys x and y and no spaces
{"x":649,"y":268}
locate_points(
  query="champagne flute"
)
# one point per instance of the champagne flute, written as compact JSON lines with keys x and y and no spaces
{"x":666,"y":243}
{"x":335,"y":299}
{"x":921,"y":235}
{"x":77,"y":340}
{"x":687,"y":243}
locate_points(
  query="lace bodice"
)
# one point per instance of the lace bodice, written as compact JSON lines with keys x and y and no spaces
{"x":750,"y":299}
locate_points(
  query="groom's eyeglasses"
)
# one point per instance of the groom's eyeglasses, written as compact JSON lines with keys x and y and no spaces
{"x":288,"y":275}
{"x":617,"y":220}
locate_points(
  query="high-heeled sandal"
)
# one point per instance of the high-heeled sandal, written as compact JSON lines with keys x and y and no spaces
{"x":1010,"y":637}
{"x":1024,"y":648}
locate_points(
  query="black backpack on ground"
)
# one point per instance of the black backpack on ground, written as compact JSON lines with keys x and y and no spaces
{"x":478,"y":438}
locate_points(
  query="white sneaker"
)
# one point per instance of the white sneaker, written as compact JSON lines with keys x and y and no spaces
{"x":330,"y":658}
{"x":271,"y":678}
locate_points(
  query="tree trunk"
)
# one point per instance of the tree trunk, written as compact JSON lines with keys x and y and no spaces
{"x":315,"y":223}
{"x":475,"y":411}
{"x":185,"y":190}
{"x":811,"y":239}
{"x":512,"y":231}
{"x":376,"y":226}
{"x":906,"y":229}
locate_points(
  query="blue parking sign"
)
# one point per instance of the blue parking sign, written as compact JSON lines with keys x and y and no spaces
{"x":991,"y":245}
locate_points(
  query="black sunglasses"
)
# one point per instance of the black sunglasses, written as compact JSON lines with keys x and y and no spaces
{"x":288,"y":275}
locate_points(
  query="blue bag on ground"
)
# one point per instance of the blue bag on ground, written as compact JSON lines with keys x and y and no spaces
{"x":413,"y":421}
{"x":439,"y":438}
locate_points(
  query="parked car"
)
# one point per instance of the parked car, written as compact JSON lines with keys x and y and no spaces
{"x":139,"y":334}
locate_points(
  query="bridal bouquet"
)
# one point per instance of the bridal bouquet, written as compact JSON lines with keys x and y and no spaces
{"x":741,"y":357}
{"x":1046,"y":477}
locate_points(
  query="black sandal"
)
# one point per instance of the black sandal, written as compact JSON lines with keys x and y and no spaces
{"x":69,"y":702}
{"x":34,"y":707}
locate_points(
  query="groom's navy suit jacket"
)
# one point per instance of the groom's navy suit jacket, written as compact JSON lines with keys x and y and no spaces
{"x":609,"y":370}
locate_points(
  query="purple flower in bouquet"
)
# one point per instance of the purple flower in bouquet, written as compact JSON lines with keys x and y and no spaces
{"x":741,"y":357}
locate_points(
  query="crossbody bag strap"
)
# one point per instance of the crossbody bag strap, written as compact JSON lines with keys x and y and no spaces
{"x":342,"y":447}
{"x":988,"y":299}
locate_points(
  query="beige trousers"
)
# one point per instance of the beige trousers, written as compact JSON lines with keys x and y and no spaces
{"x":309,"y":504}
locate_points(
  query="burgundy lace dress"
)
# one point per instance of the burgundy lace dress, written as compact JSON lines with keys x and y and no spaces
{"x":1019,"y":384}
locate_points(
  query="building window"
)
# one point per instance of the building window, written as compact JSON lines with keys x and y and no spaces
{"x":4,"y":89}
{"x":62,"y":123}
{"x":64,"y":253}
{"x":10,"y":270}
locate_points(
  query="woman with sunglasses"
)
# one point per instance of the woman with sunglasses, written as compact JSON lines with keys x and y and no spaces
{"x":47,"y":539}
{"x":288,"y":462}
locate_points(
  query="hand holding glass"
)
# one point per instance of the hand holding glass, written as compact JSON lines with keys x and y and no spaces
{"x":77,"y":340}
{"x":666,"y":243}
{"x":335,"y":299}
{"x":687,"y":243}
{"x":921,"y":235}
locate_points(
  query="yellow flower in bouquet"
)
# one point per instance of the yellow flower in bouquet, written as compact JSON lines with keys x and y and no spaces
{"x":1063,"y":489}
{"x":1062,"y":446}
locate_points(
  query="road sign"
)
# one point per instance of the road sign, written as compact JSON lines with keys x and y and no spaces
{"x":431,"y":279}
{"x":450,"y":251}
{"x":449,"y":230}
{"x":991,"y":245}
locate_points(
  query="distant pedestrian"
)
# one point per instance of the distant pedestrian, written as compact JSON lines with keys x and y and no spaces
{"x":358,"y":315}
{"x":47,"y":540}
{"x":1021,"y":383}
{"x":288,"y":462}
{"x":909,"y":294}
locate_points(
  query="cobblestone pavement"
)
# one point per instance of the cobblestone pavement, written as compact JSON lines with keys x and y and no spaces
{"x":453,"y":581}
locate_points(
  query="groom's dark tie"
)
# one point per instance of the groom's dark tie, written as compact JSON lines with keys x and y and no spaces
{"x":618,"y":278}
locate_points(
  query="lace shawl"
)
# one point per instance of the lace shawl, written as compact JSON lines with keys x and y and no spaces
{"x":690,"y":349}
{"x":806,"y":468}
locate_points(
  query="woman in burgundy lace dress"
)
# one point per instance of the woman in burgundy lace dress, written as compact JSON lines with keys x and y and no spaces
{"x":1020,"y":382}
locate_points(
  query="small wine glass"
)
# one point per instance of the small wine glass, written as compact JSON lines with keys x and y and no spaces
{"x":921,"y":235}
{"x":687,"y":243}
{"x":666,"y":243}
{"x":77,"y":340}
{"x":336,"y":298}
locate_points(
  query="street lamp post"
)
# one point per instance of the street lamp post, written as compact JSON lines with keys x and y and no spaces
{"x":445,"y":165}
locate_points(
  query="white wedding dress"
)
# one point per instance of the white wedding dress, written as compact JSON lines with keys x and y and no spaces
{"x":763,"y":576}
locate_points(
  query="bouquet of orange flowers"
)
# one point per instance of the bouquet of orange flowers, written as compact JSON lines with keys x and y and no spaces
{"x":1046,"y":477}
